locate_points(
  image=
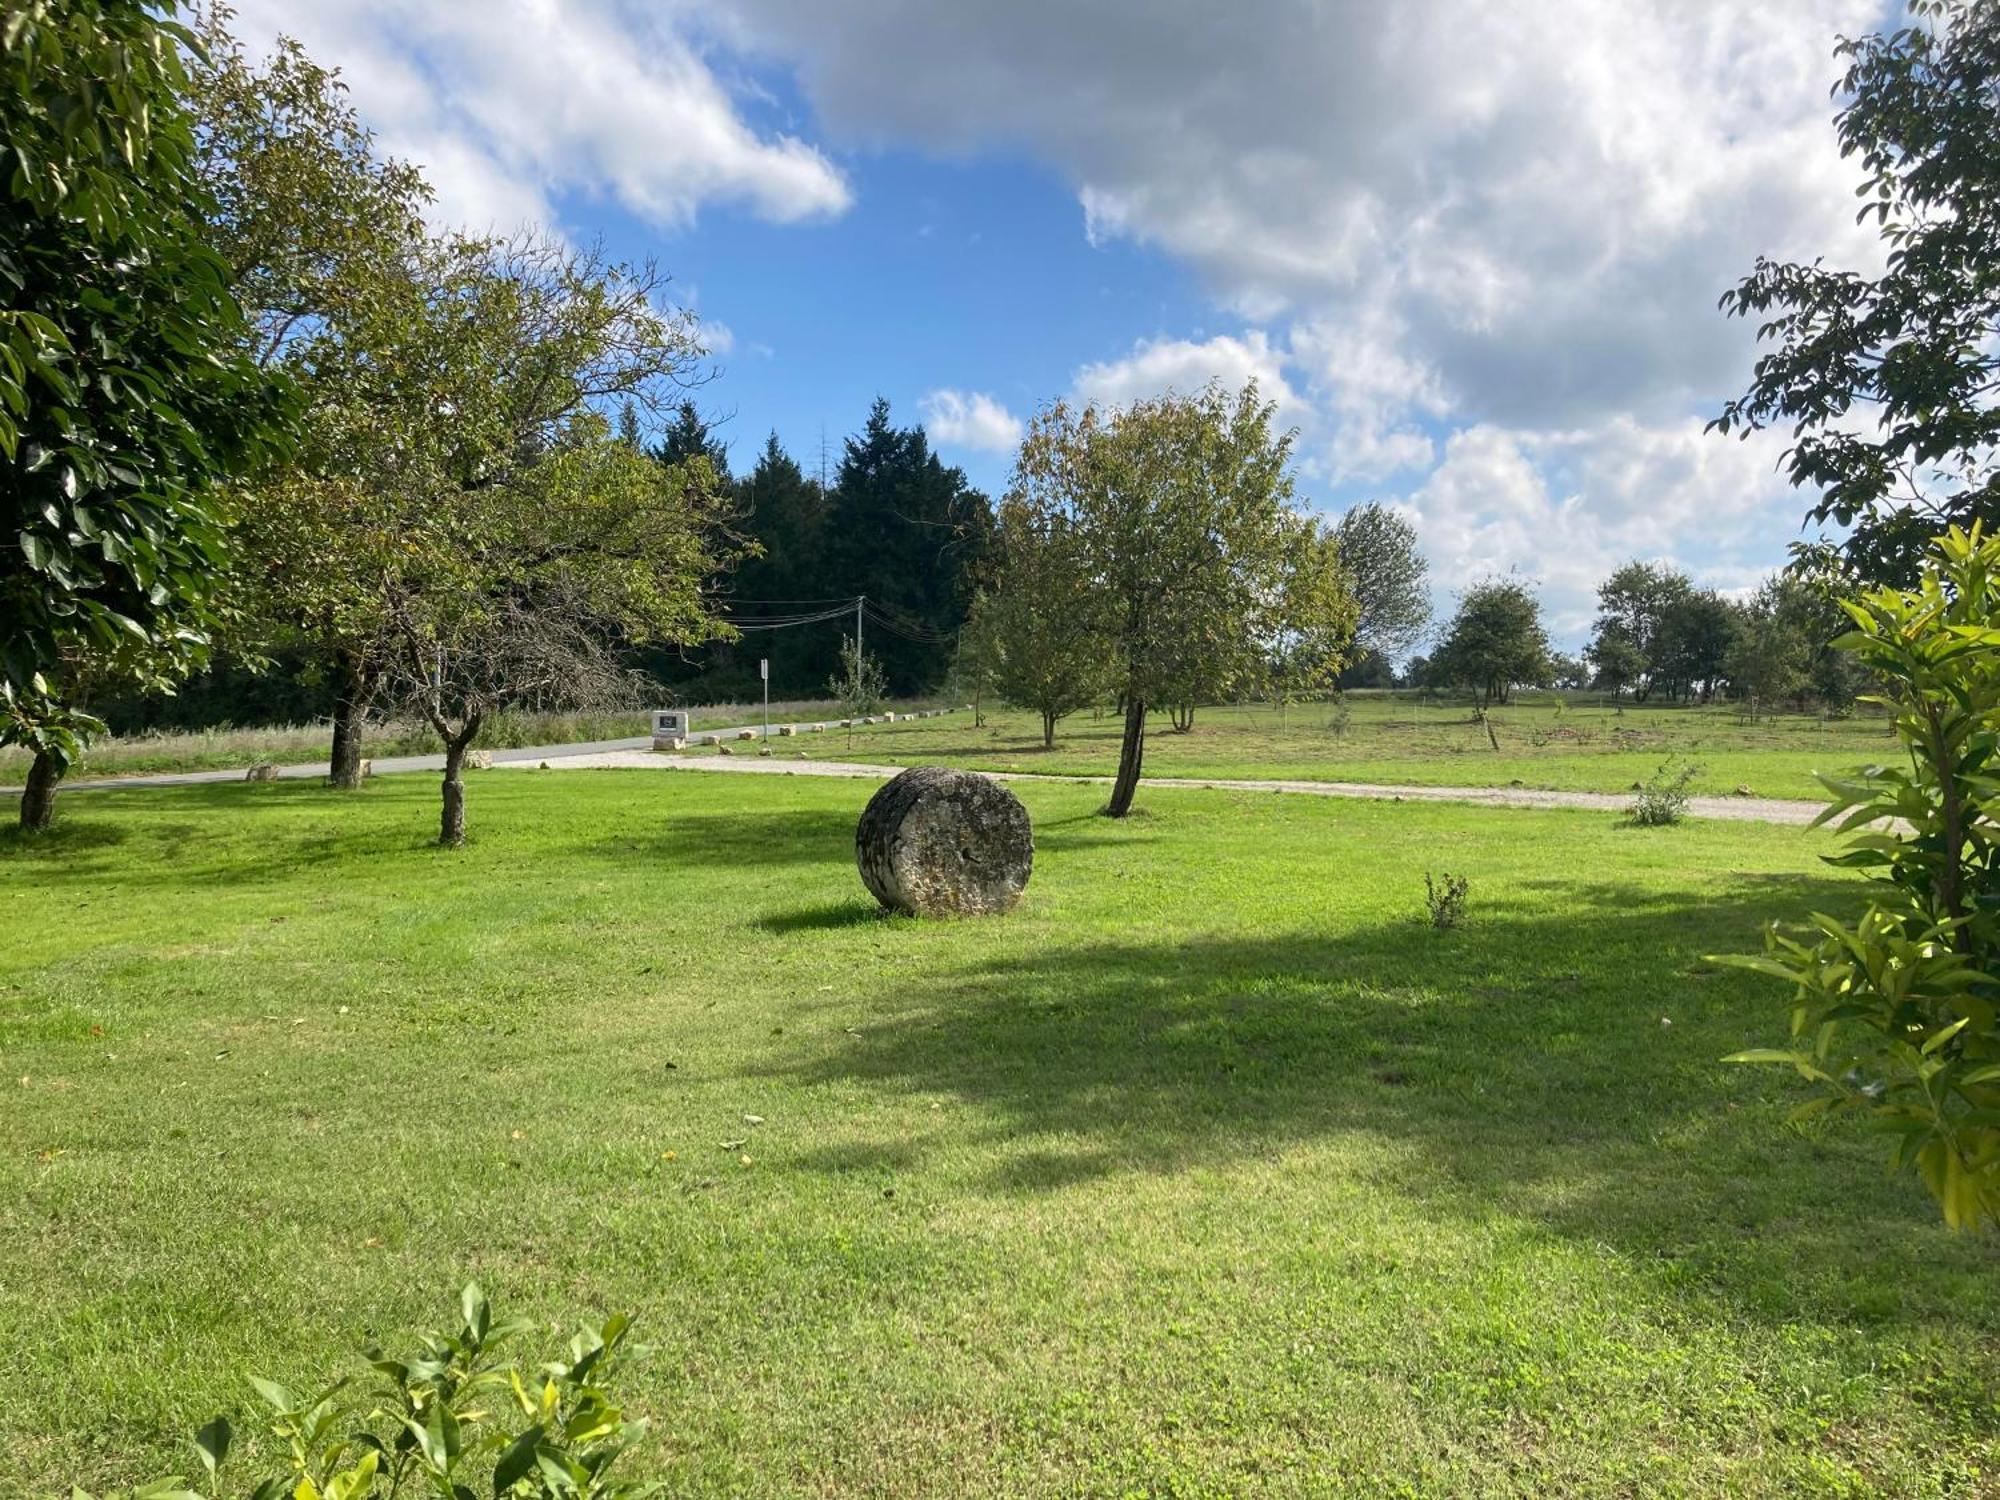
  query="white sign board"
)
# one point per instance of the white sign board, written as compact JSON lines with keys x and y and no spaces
{"x":764,"y":668}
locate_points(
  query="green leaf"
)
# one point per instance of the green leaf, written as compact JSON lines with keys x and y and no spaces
{"x":518,"y":1461}
{"x":212,"y":1443}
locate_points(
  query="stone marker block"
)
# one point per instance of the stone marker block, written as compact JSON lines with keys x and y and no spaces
{"x":940,"y":842}
{"x":671,"y":742}
{"x":479,"y":760}
{"x":786,"y":731}
{"x":367,"y":768}
{"x":746,"y":734}
{"x":261,"y":773}
{"x":711,"y":739}
{"x":721,"y":749}
{"x":766,"y":751}
{"x":819,"y":729}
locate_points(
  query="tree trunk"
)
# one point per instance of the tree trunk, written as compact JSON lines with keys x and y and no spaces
{"x":350,"y":712}
{"x":451,"y":830}
{"x":1048,"y":730}
{"x":38,"y":797}
{"x":1130,"y":754}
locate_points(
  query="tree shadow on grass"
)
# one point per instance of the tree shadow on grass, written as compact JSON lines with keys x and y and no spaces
{"x":1559,"y":1063}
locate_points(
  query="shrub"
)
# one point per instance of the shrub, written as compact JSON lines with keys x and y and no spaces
{"x":1445,"y":896}
{"x":1894,"y":1014}
{"x":1663,"y":800}
{"x":451,"y":1420}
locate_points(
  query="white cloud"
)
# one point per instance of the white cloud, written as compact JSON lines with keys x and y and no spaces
{"x":970,"y":420}
{"x":1477,"y":244}
{"x":1564,"y":508}
{"x":1543,"y":202}
{"x":1156,"y":366}
{"x":509,"y":105}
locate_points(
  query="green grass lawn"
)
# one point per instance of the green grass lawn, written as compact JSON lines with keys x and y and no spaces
{"x":1404,"y":739}
{"x":1209,"y":1171}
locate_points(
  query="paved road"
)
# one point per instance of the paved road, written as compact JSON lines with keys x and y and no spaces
{"x":636,"y":754}
{"x":384,"y":765}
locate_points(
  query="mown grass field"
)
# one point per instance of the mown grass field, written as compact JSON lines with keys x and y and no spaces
{"x":1209,"y":1171}
{"x":1408,"y":739}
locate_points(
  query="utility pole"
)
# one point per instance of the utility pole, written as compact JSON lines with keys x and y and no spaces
{"x":764,"y":671}
{"x":860,"y":600}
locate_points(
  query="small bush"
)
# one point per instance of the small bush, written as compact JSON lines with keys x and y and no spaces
{"x":1445,"y":896}
{"x":1663,"y":801}
{"x":449,"y":1420}
{"x":1896,"y":1015}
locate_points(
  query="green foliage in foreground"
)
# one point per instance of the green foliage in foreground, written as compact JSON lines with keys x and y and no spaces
{"x":1898,"y":1012}
{"x":443,"y":1421}
{"x":1211,"y":1170}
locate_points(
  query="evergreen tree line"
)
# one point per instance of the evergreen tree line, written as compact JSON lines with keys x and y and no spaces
{"x":891,"y":523}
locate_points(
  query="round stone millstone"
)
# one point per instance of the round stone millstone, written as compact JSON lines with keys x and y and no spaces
{"x":938,"y":842}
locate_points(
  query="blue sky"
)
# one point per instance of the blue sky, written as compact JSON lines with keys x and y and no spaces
{"x":965,"y":276}
{"x":1472,"y":247}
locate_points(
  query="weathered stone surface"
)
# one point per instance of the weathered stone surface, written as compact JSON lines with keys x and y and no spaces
{"x":786,"y":731}
{"x":721,"y":749}
{"x":939,"y":842}
{"x":670,"y":742}
{"x":479,"y":760}
{"x":746,"y":734}
{"x":819,"y":729}
{"x":711,"y":739}
{"x":366,"y":768}
{"x":261,"y":773}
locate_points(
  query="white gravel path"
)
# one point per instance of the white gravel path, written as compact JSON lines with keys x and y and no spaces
{"x":785,"y":763}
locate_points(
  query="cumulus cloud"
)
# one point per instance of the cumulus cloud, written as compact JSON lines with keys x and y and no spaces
{"x":1545,"y":201}
{"x":1477,"y":244}
{"x":970,"y":420}
{"x":1156,"y":366}
{"x":510,"y":105}
{"x":1564,"y":508}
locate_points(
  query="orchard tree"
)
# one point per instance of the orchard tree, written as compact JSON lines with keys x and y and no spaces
{"x":317,"y":229}
{"x":516,"y":542}
{"x":1183,"y":506}
{"x":1042,"y":618}
{"x":1632,"y":609}
{"x":1495,"y":643}
{"x":1888,"y":384}
{"x":126,"y":396}
{"x":1388,"y":577}
{"x":531,"y":589}
{"x":1768,"y":652}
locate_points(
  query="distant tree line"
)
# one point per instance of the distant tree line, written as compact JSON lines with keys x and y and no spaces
{"x":1657,"y":638}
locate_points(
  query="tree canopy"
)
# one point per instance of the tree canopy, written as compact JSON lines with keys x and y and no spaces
{"x":1495,"y":643}
{"x":1888,"y":383}
{"x":126,"y":394}
{"x":1388,"y":577}
{"x":1192,"y":547}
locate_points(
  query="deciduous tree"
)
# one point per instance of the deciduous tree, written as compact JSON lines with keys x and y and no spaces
{"x":1184,"y":508}
{"x":1495,"y":643}
{"x":1888,"y":383}
{"x":126,"y":396}
{"x":1388,"y":577}
{"x":1043,"y":619}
